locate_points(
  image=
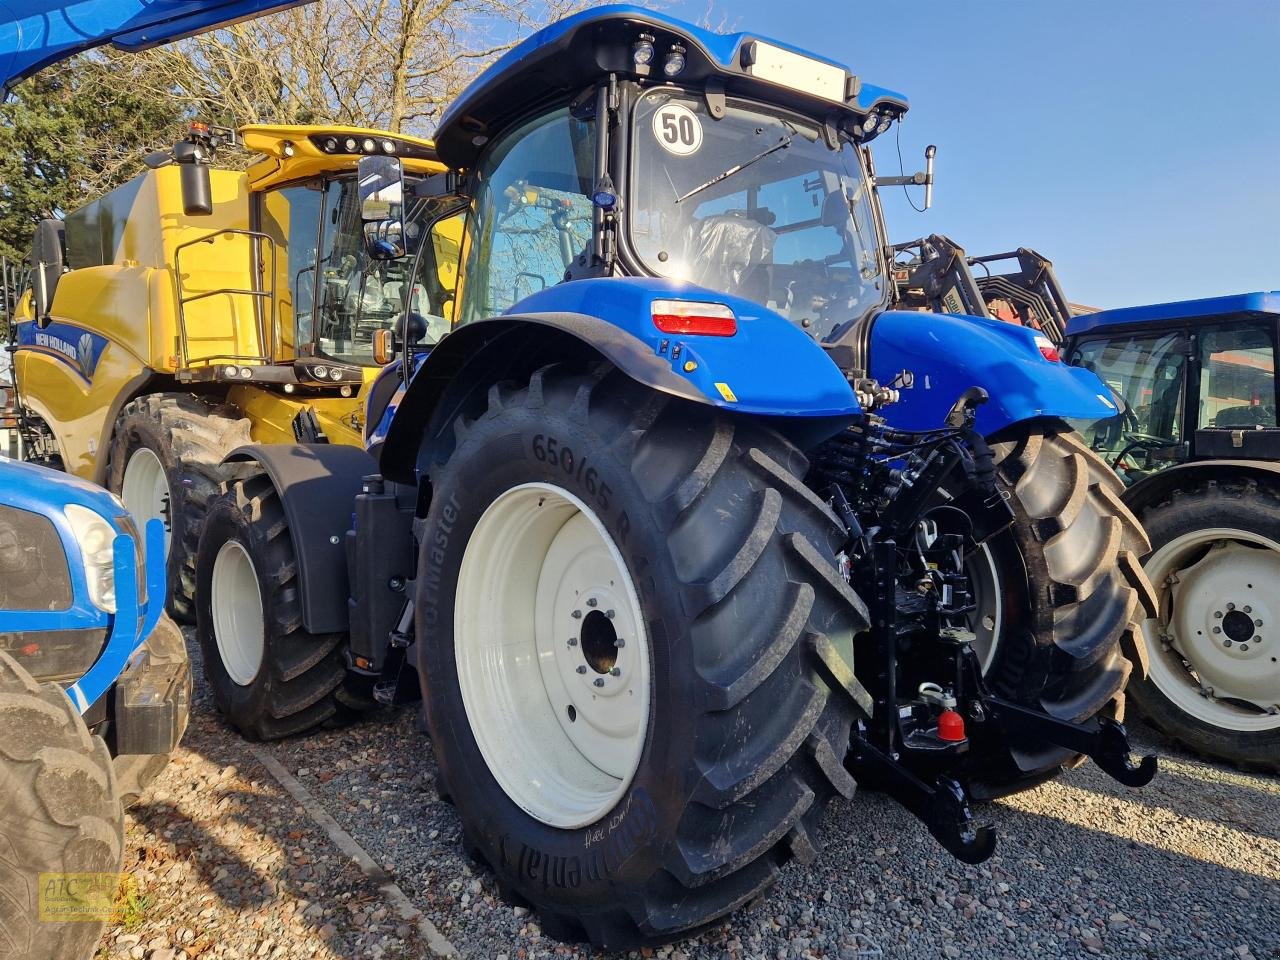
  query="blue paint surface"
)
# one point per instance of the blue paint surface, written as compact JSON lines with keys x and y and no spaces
{"x":1261,"y":302}
{"x":772,"y":367}
{"x":948,"y":353}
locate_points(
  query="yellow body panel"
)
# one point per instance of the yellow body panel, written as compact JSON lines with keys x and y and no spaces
{"x":123,"y":289}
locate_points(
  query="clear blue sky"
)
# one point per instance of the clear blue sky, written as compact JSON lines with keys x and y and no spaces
{"x":1134,"y":143}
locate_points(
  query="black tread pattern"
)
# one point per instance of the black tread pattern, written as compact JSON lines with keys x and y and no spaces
{"x":61,"y":813}
{"x":303,"y":673}
{"x":754,"y":550}
{"x":1081,"y":546}
{"x":1258,"y":751}
{"x":193,"y":435}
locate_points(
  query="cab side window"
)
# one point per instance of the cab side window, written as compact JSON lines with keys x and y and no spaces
{"x":1237,"y":379}
{"x":531,"y":216}
{"x":290,"y":216}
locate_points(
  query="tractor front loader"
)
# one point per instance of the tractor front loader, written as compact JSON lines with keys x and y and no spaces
{"x":686,"y":525}
{"x":194,"y":309}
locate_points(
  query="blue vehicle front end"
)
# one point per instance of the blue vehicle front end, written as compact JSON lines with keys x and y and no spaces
{"x":685,"y":524}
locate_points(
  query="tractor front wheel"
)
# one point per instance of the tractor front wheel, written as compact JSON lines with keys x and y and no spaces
{"x":634,"y":649}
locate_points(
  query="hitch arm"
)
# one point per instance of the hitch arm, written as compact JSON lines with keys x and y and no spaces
{"x":1102,"y":740}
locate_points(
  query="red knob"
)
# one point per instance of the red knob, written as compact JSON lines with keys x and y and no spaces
{"x":950,"y":726}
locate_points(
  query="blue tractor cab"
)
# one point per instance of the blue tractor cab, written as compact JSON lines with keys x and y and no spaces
{"x":1196,"y":441}
{"x":694,"y":519}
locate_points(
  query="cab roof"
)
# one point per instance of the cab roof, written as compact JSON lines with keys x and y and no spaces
{"x":570,"y":54}
{"x":1261,"y":302}
{"x":294,"y":151}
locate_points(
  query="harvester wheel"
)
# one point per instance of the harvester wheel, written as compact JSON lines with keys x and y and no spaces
{"x":1214,"y":683}
{"x":636,"y":654}
{"x":270,"y":677}
{"x":165,"y":462}
{"x":1061,"y":597}
{"x":61,"y":815}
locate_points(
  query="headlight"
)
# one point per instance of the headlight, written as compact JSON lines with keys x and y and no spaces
{"x":95,"y":537}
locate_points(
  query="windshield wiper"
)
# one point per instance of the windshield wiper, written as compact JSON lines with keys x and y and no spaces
{"x":780,"y":145}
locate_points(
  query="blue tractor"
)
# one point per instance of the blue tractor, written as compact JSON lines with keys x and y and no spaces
{"x":685,"y":528}
{"x":94,"y":695}
{"x":1197,"y":445}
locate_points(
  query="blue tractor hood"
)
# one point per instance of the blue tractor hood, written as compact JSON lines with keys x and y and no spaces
{"x":570,"y":54}
{"x":37,"y":33}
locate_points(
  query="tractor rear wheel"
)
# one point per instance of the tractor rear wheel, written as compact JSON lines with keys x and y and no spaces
{"x":1215,"y":672}
{"x":270,"y":677}
{"x":635,"y":644}
{"x":165,"y":463}
{"x":1061,"y":598}
{"x":61,"y":816}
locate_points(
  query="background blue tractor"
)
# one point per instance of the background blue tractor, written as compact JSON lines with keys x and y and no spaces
{"x":1198,"y":448}
{"x":94,"y":695}
{"x":686,"y":528}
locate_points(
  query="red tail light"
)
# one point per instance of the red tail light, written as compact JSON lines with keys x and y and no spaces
{"x":1048,"y":350}
{"x":694,"y":317}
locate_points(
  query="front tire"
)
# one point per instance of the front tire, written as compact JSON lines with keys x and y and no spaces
{"x":1064,"y":619}
{"x":1214,"y":683}
{"x":270,"y":677}
{"x":719,"y":564}
{"x":165,"y":463}
{"x":61,"y":815}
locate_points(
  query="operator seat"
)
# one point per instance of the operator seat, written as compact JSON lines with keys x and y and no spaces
{"x":733,"y":251}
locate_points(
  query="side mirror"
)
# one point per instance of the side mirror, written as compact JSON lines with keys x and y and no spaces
{"x":381,"y":181}
{"x":197,"y":194}
{"x":48,"y":263}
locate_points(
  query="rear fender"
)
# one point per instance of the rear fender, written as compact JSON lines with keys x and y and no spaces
{"x":770,"y":369}
{"x":318,"y":484}
{"x":947,"y":353}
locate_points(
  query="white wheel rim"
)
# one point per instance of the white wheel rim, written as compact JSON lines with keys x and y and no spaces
{"x":1218,"y":654}
{"x":988,"y":618}
{"x":144,"y":490}
{"x":238,"y":625}
{"x":560,"y":713}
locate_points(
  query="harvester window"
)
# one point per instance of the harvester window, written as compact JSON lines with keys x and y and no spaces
{"x":1237,"y":378}
{"x":531,"y":216}
{"x":291,"y":217}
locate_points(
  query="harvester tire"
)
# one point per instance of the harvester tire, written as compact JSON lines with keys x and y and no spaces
{"x":165,"y":461}
{"x":1072,"y":598}
{"x":270,"y":677}
{"x":1221,"y":541}
{"x":61,"y":815}
{"x":698,"y":546}
{"x":135,"y":771}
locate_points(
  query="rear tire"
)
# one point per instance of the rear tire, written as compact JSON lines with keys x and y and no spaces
{"x":748,"y":628}
{"x":1222,"y":539}
{"x":270,"y":677}
{"x":1072,"y":597}
{"x":165,"y":462}
{"x":61,"y":814}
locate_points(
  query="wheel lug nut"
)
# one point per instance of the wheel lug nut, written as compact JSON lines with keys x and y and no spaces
{"x":577,"y":614}
{"x":1244,"y":648}
{"x":620,"y":642}
{"x":1217,"y":614}
{"x":1248,"y":609}
{"x":1217,"y":629}
{"x":573,"y":641}
{"x":609,"y":614}
{"x":592,"y":601}
{"x":1226,"y":643}
{"x":615,"y":672}
{"x":598,"y":681}
{"x":581,"y":668}
{"x":1231,"y":606}
{"x":1257,"y":623}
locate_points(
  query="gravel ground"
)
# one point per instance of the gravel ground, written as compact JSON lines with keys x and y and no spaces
{"x":231,"y":866}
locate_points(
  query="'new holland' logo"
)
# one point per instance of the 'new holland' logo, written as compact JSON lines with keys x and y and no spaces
{"x":78,"y":348}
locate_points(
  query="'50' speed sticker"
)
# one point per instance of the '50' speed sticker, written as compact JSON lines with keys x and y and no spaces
{"x":678,"y":129}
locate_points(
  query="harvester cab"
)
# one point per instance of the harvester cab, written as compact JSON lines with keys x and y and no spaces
{"x":197,"y":307}
{"x":686,"y":525}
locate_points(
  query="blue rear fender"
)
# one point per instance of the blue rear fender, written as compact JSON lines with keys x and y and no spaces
{"x":948,"y":353}
{"x":768,"y":368}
